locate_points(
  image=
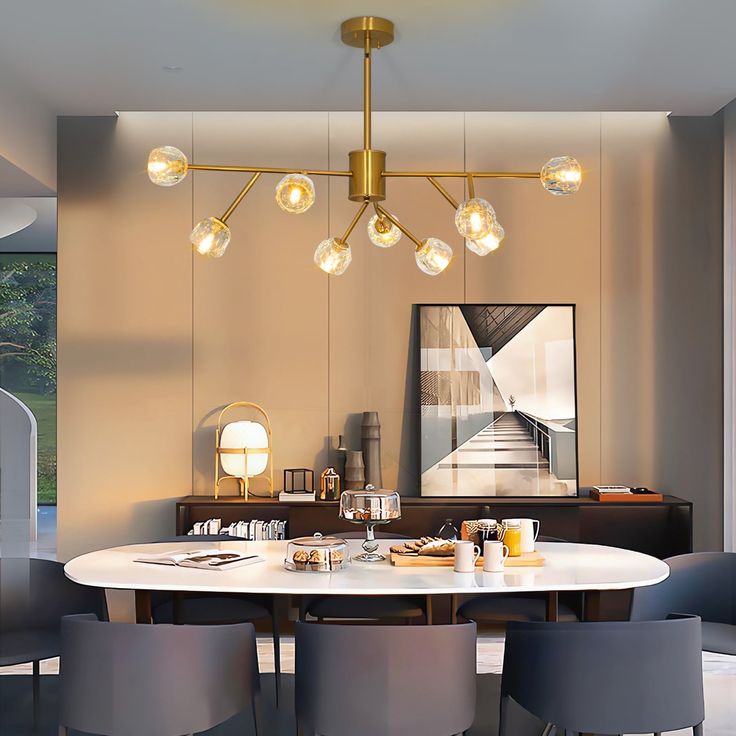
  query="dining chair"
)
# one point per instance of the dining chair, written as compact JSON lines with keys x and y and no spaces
{"x":402,"y":680}
{"x":703,"y":584}
{"x":504,"y":607}
{"x":366,"y":607}
{"x":606,"y":678}
{"x":34,"y":595}
{"x":208,"y":609}
{"x":121,"y":679}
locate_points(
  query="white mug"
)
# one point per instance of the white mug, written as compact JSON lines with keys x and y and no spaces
{"x":466,"y":555}
{"x":494,"y":556}
{"x":529,"y":533}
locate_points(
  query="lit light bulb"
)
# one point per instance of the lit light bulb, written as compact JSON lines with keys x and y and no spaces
{"x":433,"y":256}
{"x":474,"y":218}
{"x":333,"y":256}
{"x":166,"y":166}
{"x":561,"y":176}
{"x":295,"y":193}
{"x":382,"y":232}
{"x":483,"y":246}
{"x":210,"y":237}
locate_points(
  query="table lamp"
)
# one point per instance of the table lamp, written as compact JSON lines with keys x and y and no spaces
{"x":243,"y":449}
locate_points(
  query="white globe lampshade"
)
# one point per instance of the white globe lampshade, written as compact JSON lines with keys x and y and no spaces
{"x":237,"y":436}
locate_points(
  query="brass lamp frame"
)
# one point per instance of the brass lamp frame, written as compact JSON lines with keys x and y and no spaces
{"x":243,"y":483}
{"x":367,"y":171}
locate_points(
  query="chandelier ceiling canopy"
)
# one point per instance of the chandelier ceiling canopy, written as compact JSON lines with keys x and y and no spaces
{"x":475,"y":218}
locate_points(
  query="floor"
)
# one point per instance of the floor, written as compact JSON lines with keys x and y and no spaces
{"x":501,"y":460}
{"x":15,"y":688}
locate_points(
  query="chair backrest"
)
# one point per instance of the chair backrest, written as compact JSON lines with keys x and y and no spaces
{"x":35,"y":594}
{"x":158,"y":680}
{"x":402,"y":679}
{"x":608,"y":677}
{"x":703,"y":584}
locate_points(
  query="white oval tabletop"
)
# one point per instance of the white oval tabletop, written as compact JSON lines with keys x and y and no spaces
{"x":584,"y":567}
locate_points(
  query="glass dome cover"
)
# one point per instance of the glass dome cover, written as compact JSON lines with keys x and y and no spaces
{"x":317,"y":554}
{"x":365,"y":505}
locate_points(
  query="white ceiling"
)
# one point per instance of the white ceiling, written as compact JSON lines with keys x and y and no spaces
{"x":87,"y":57}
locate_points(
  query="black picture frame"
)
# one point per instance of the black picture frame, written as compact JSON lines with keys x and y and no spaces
{"x":416,"y":349}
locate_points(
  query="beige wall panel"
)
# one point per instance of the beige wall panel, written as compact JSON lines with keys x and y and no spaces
{"x":260,"y":312}
{"x":551,"y":253}
{"x":124,"y":333}
{"x":371,"y":354}
{"x":662,"y":309}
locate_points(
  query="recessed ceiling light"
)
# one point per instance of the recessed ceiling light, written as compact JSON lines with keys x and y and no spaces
{"x":173,"y":69}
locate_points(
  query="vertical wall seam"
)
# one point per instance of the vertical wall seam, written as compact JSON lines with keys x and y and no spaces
{"x":329,"y":309}
{"x":192,"y":262}
{"x":600,"y":298}
{"x":465,"y":168}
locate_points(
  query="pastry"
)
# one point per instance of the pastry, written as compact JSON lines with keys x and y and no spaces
{"x":336,"y":557}
{"x":438,"y":548}
{"x":316,"y":557}
{"x":301,"y":557}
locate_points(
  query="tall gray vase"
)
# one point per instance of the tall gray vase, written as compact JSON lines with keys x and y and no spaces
{"x":371,"y":441}
{"x":354,"y":470}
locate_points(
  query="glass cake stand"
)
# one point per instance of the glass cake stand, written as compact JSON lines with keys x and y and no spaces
{"x":370,"y":507}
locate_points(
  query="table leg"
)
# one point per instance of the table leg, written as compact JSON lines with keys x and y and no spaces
{"x":143,"y":606}
{"x":592,"y":605}
{"x":552,"y":606}
{"x":453,"y":608}
{"x":428,"y":604}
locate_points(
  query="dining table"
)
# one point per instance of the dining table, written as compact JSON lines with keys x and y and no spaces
{"x":586,"y":568}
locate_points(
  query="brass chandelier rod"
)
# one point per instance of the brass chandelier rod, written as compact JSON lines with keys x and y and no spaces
{"x":475,"y":219}
{"x":385,"y":213}
{"x":266,"y":170}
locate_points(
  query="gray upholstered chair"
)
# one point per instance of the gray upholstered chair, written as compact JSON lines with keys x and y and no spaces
{"x":34,"y":595}
{"x":703,"y":584}
{"x":400,"y":679}
{"x":131,"y":679}
{"x":375,"y":608}
{"x":503,"y":607}
{"x":606,"y":678}
{"x":209,"y":609}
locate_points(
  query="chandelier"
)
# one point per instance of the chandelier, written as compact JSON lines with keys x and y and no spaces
{"x":475,"y":218}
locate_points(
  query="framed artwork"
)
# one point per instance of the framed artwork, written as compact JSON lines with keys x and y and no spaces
{"x":498,"y":400}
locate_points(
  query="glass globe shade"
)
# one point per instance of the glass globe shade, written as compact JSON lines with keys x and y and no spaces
{"x":382,"y":232}
{"x":166,"y":166}
{"x":433,"y":256}
{"x":333,"y":256}
{"x":561,"y":176}
{"x":237,"y":436}
{"x":210,"y":237}
{"x":483,"y":246}
{"x":474,"y":218}
{"x":295,"y":193}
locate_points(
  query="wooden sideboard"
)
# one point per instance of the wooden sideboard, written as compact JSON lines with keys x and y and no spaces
{"x":660,"y":529}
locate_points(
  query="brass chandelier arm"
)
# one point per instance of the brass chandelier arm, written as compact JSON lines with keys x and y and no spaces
{"x":367,"y":91}
{"x":353,"y":222}
{"x":266,"y":170}
{"x":240,"y":196}
{"x":455,"y":204}
{"x":385,"y":213}
{"x":465,"y":174}
{"x":471,"y":187}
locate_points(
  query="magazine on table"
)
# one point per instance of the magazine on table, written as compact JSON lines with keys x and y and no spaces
{"x":204,"y":559}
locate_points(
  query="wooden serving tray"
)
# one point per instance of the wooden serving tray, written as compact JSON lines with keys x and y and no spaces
{"x":651,"y":497}
{"x":528,"y":559}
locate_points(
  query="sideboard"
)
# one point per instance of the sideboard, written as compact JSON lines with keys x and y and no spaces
{"x":661,"y":529}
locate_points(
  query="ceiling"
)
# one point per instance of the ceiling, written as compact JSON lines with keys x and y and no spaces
{"x":86,"y":57}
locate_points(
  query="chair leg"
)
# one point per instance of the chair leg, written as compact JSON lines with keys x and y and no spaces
{"x":276,"y":651}
{"x":429,"y":610}
{"x":36,"y":692}
{"x":256,"y":709}
{"x":547,"y":730}
{"x":698,"y":730}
